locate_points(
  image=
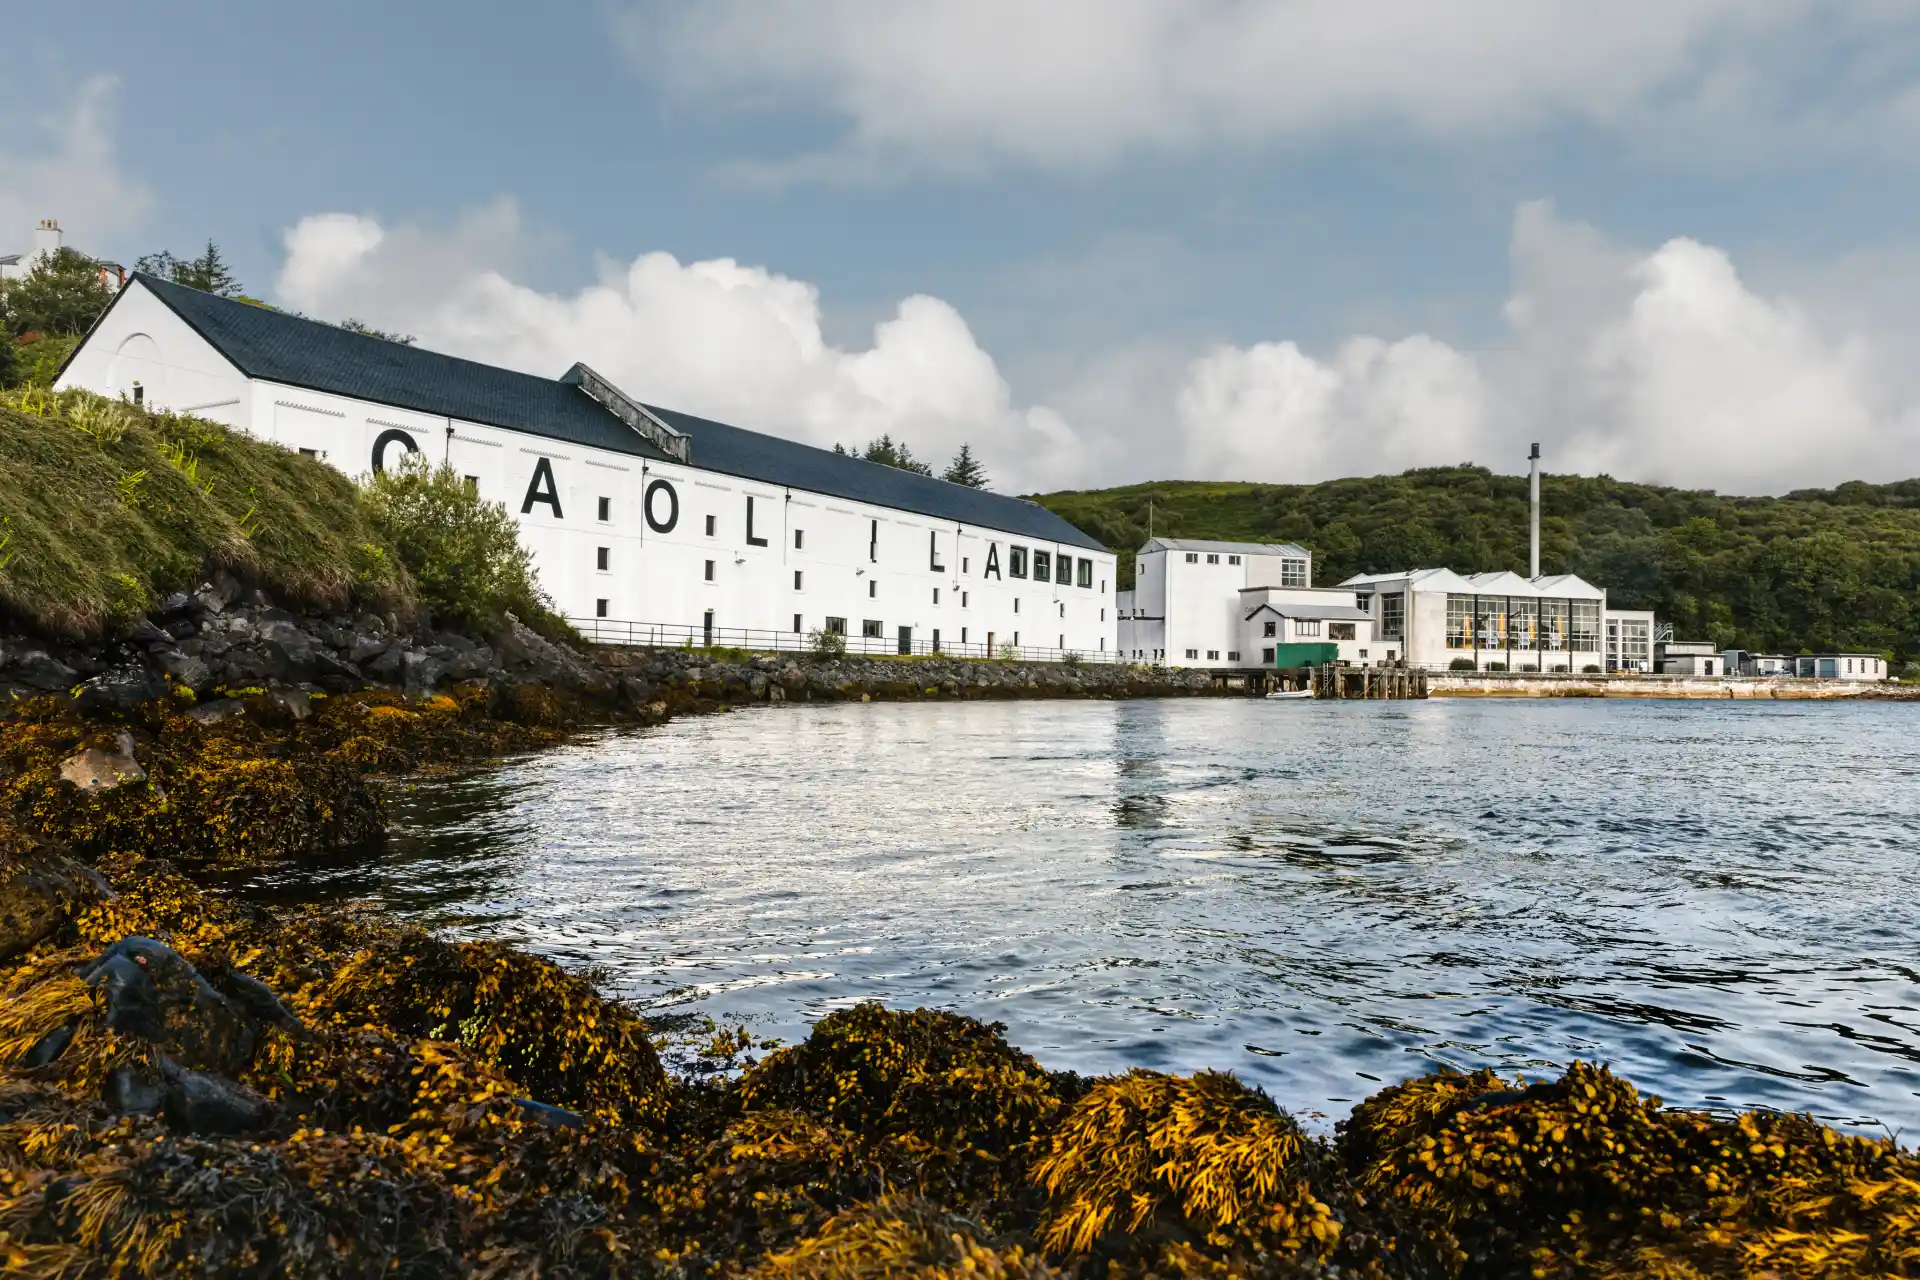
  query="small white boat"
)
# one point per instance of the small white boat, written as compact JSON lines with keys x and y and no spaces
{"x":1291,"y":693}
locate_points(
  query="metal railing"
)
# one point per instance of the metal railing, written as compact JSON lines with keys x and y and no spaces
{"x":669,"y":635}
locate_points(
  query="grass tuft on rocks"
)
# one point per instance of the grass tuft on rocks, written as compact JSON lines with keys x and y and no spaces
{"x":106,"y":508}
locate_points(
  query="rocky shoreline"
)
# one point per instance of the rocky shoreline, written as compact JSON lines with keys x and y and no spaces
{"x":193,"y":1085}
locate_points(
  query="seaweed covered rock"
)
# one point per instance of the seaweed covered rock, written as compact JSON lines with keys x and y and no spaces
{"x":949,"y":1100}
{"x":1583,"y":1176}
{"x":41,"y":889}
{"x":902,"y":1238}
{"x":1176,"y":1171}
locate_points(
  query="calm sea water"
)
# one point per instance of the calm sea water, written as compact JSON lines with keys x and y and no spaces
{"x":1719,"y":899}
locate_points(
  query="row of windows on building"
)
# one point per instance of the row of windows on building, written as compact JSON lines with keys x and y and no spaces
{"x":1213,"y":655}
{"x":1522,"y":623}
{"x":1293,"y":573}
{"x":1311,"y":627}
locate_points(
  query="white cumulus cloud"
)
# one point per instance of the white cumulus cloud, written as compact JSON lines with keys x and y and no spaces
{"x":1659,"y":364}
{"x":957,"y":83}
{"x":717,"y":338}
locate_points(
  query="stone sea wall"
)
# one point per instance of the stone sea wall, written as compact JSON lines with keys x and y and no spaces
{"x":1468,"y":684}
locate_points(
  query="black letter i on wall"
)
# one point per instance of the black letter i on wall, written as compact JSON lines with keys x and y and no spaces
{"x":542,"y":489}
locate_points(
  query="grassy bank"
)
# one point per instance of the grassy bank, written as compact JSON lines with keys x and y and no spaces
{"x":106,"y":509}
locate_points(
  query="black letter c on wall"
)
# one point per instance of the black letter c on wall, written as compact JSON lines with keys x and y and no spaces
{"x":392,"y":436}
{"x":654,"y":522}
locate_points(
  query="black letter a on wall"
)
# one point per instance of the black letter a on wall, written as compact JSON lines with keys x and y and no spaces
{"x":542,"y":489}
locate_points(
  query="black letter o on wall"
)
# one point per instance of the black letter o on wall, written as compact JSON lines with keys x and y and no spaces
{"x":390,"y":436}
{"x":673,"y":507}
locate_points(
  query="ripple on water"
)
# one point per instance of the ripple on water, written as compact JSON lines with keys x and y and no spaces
{"x":1715,"y":898}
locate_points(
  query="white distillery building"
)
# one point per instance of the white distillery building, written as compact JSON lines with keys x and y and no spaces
{"x":1492,"y":621}
{"x":646,"y":525}
{"x":1200,"y":603}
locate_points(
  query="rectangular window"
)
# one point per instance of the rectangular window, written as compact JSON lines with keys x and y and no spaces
{"x":1213,"y":655}
{"x":1212,"y":559}
{"x":1016,"y":604}
{"x":601,"y":556}
{"x":1306,"y":626}
{"x":1192,"y":558}
{"x":1340,"y":631}
{"x":1086,"y":575}
{"x":1490,"y":621}
{"x":1363,"y":601}
{"x":1459,"y":621}
{"x":936,"y":639}
{"x":606,"y":509}
{"x":965,"y":562}
{"x":836,"y":626}
{"x":873,"y":588}
{"x":1062,"y":644}
{"x":1521,"y":625}
{"x":871,"y":629}
{"x":1583,"y":626}
{"x":1270,"y":628}
{"x":796,"y":624}
{"x":799,"y":539}
{"x":873,"y":542}
{"x":1233,"y":655}
{"x":1393,"y":615}
{"x":309,"y":453}
{"x":797,"y":579}
{"x":1266,"y":657}
{"x":1233,"y":559}
{"x":1293,"y":573}
{"x":599,"y":608}
{"x":963,"y":635}
{"x":1193,"y":653}
{"x":963,"y":598}
{"x":709,"y":571}
{"x":1042,"y":566}
{"x":712,"y":524}
{"x":1016,"y":562}
{"x":1063,"y":608}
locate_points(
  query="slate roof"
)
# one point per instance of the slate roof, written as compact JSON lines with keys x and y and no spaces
{"x":278,"y":347}
{"x":1235,"y":548}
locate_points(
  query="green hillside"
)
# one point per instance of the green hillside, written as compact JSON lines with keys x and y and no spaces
{"x":1817,"y":569}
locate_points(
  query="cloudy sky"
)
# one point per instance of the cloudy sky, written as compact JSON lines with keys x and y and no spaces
{"x":1102,"y":240}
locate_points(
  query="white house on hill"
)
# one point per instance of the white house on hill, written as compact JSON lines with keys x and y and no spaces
{"x":644,"y":523}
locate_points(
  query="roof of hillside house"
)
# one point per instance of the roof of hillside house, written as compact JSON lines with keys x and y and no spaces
{"x":279,"y":347}
{"x":1234,"y":548}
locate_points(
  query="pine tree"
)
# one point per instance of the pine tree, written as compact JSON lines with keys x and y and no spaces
{"x":208,"y":272}
{"x":887,"y":453}
{"x":966,"y":469}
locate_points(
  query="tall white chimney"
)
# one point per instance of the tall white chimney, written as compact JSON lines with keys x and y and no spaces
{"x":46,"y":238}
{"x":1533,"y":556}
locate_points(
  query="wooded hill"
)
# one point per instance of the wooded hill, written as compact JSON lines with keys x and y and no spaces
{"x":1818,"y":569}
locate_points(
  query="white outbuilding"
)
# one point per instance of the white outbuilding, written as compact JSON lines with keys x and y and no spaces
{"x":645,"y":524}
{"x":1437,"y":618}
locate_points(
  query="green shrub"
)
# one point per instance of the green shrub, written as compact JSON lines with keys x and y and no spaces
{"x":826,"y":644}
{"x":1496,"y":666}
{"x":1591,"y":669}
{"x":1460,"y":664}
{"x":12,"y":367}
{"x":463,"y":552}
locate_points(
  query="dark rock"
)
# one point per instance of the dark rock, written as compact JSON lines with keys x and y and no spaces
{"x":40,"y":890}
{"x":551,"y":1116}
{"x":216,"y":711}
{"x":297,"y":704}
{"x":152,"y":992}
{"x":471,"y":665}
{"x":521,"y":650}
{"x":104,"y":768}
{"x":37,"y":670}
{"x":420,"y":673}
{"x":257,"y":999}
{"x":144,"y":632}
{"x":130,"y":1091}
{"x":173,"y":607}
{"x":365,"y":648}
{"x":186,"y":670}
{"x":208,"y":1105}
{"x":47,"y":1048}
{"x":119,"y":693}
